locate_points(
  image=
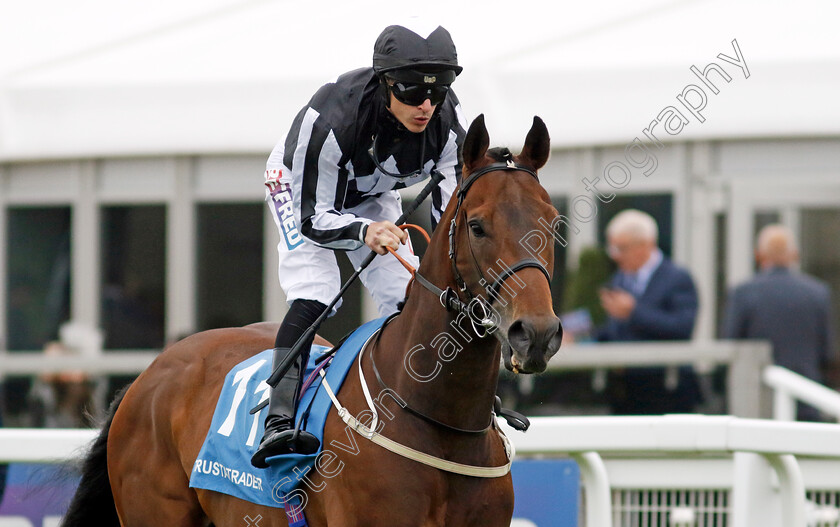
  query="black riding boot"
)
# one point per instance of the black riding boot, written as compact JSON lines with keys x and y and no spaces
{"x":279,"y":425}
{"x":282,"y":403}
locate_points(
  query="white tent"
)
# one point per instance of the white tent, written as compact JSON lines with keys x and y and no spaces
{"x":95,"y":78}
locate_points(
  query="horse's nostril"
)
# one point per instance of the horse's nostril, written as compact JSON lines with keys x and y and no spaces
{"x":538,"y":337}
{"x":521,"y":335}
{"x":518,"y":336}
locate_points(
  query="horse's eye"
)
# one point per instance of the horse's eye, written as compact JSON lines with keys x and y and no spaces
{"x":476,"y":229}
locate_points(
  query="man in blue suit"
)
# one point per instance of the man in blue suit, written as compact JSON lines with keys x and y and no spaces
{"x":789,"y":309}
{"x":649,"y":298}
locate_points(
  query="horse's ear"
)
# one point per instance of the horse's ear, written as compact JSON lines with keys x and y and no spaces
{"x":537,"y":145}
{"x":476,"y":143}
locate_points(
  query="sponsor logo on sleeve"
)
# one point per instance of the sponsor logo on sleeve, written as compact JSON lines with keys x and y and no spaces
{"x":281,"y":196}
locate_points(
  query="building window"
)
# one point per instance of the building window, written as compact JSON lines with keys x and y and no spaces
{"x":230,"y":263}
{"x":38,"y":285}
{"x":38,"y":281}
{"x":821,"y":259}
{"x":133,"y":276}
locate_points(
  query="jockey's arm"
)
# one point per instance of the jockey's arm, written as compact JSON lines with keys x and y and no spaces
{"x":322,"y":192}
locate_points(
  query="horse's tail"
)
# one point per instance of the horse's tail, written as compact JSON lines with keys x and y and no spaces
{"x":93,"y":503}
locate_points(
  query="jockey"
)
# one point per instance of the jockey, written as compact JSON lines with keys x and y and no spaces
{"x":332,"y":186}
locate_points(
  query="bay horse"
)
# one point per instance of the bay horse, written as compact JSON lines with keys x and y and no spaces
{"x":441,"y":364}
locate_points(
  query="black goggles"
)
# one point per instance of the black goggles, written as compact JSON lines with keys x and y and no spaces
{"x":416,"y":94}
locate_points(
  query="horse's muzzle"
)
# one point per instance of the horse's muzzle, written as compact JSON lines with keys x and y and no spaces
{"x":533,"y":341}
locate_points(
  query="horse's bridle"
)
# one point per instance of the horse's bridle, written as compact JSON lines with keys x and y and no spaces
{"x":448,"y":297}
{"x":452,"y":302}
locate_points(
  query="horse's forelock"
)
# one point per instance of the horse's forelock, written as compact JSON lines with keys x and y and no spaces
{"x":499,"y":154}
{"x":502,"y":154}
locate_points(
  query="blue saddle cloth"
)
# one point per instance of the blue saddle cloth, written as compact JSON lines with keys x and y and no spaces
{"x":224,"y":462}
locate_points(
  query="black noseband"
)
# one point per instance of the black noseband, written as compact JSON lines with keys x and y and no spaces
{"x":493,"y":289}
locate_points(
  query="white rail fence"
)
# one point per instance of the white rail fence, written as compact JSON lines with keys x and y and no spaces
{"x":669,"y":471}
{"x":789,"y":388}
{"x":112,"y":363}
{"x":40,"y":445}
{"x":768,"y":473}
{"x":748,"y":367}
{"x":744,"y":361}
{"x":762,"y":467}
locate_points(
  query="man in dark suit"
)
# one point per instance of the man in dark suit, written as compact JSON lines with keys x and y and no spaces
{"x":790,"y":309}
{"x":649,"y":298}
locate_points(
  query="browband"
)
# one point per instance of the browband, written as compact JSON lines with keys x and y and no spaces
{"x":501,"y":165}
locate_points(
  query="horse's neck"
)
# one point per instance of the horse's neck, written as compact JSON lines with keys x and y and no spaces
{"x":433,"y":358}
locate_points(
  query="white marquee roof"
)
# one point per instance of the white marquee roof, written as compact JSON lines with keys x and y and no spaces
{"x":95,"y":77}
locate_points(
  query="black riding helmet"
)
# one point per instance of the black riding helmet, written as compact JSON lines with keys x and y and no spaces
{"x":405,"y":56}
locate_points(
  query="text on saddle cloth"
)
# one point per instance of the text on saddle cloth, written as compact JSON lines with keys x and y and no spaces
{"x":223,"y":464}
